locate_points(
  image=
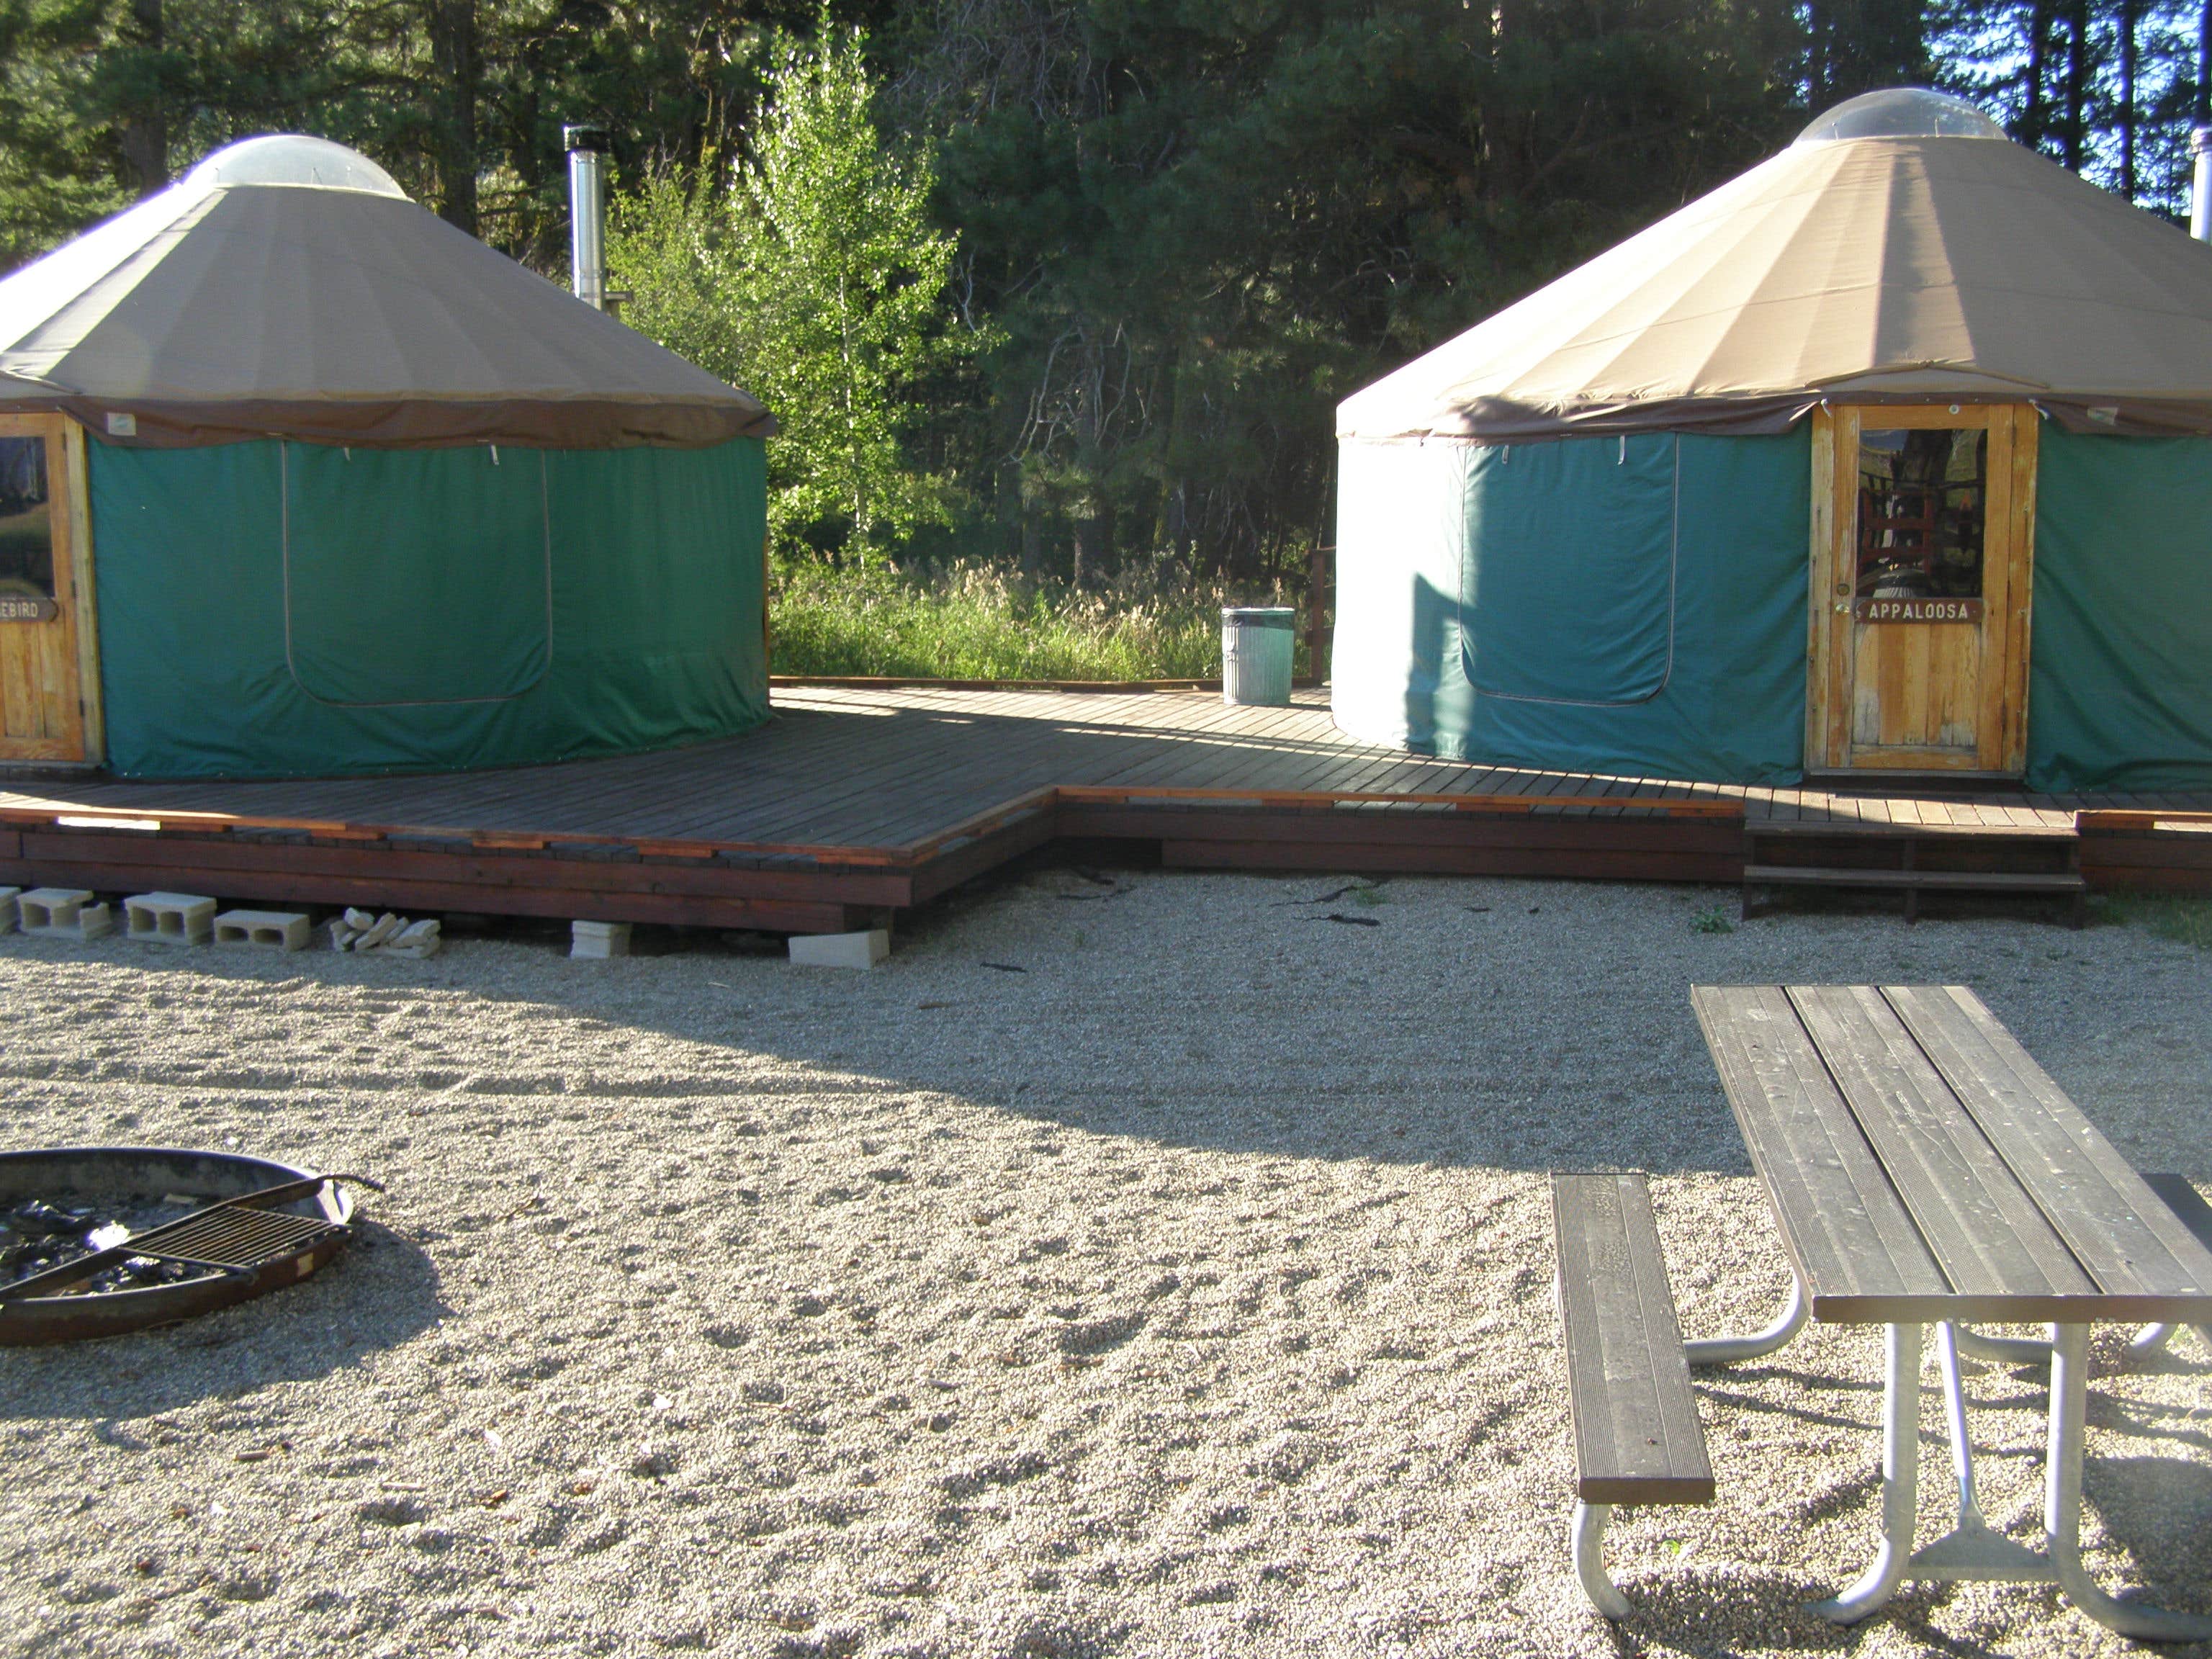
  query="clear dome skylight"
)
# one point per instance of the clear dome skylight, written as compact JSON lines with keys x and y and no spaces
{"x":291,"y":158}
{"x":1902,"y":113}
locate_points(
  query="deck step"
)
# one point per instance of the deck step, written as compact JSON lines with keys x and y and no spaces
{"x":1993,"y":881}
{"x":1836,"y":829}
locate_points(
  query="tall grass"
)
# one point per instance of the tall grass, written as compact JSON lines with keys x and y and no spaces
{"x":969,"y":623}
{"x":2170,"y":916}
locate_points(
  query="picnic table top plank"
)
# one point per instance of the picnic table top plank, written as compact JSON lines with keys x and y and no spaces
{"x":1957,"y":1182}
{"x":2124,"y":1234}
{"x":1983,"y":1228}
{"x":1850,"y":1237}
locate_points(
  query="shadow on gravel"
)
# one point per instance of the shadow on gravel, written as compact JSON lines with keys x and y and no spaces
{"x":1747,"y":1610}
{"x":382,"y":1292}
{"x":2159,"y":1511}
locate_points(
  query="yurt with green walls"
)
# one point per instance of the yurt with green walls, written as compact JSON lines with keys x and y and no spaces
{"x":296,"y":479}
{"x":1892,"y":456}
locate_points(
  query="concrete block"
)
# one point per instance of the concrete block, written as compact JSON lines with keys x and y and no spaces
{"x":8,"y":898}
{"x":417,"y":938}
{"x":64,"y":913}
{"x":596,"y":941}
{"x":381,"y":930}
{"x":841,"y":950}
{"x":169,"y":918}
{"x":272,"y":930}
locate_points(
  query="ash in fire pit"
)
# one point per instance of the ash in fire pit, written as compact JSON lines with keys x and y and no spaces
{"x":39,"y":1237}
{"x":95,"y":1241}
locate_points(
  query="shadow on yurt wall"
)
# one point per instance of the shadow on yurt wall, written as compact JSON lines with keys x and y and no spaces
{"x":1605,"y":604}
{"x":361,"y":495}
{"x":1892,"y":456}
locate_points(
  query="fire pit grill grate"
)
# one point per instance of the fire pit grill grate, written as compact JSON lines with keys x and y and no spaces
{"x":260,"y":1225}
{"x":235,"y":1238}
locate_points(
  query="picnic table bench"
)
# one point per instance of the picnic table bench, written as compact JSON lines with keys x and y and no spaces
{"x":1922,"y":1169}
{"x":1638,"y":1439}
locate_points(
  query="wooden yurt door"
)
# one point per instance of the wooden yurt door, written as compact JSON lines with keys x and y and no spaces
{"x":1922,"y":546}
{"x":45,"y":622}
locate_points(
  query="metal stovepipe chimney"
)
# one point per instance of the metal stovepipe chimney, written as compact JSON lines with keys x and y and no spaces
{"x":587,"y":213}
{"x":2200,"y":190}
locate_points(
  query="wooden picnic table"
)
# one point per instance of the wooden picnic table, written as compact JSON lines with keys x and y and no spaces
{"x":1922,"y":1169}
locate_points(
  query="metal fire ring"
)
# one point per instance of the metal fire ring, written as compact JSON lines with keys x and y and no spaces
{"x":245,"y":1251}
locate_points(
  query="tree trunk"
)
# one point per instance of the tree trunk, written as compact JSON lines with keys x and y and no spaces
{"x":2203,"y":114}
{"x":2032,"y":118}
{"x":454,"y":63}
{"x":2127,"y":111}
{"x":2077,"y":82}
{"x":144,"y":138}
{"x":1893,"y":48}
{"x":1106,"y":537}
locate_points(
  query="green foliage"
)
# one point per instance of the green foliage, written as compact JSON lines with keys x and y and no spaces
{"x":1177,"y":234}
{"x":817,"y":280}
{"x":1713,"y":919}
{"x":2170,"y":916}
{"x":1201,"y":226}
{"x":462,"y":100}
{"x":2108,"y":87}
{"x":54,"y":173}
{"x":969,"y":623}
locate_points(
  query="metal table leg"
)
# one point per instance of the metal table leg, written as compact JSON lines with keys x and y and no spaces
{"x":1972,"y":1549}
{"x":1900,"y":1482}
{"x":1587,"y":1544}
{"x":2003,"y":1350}
{"x":2061,"y":1506}
{"x":2148,"y":1341}
{"x":2151,"y":1338}
{"x":1726,"y":1349}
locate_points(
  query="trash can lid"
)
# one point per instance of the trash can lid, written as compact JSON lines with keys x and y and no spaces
{"x":1260,"y":616}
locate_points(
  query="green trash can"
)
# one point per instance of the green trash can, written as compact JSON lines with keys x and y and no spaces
{"x":1255,"y":654}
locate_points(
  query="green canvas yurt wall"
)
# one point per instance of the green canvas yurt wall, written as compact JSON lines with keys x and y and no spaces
{"x":1637,"y":605}
{"x":271,"y":609}
{"x":2120,"y":664}
{"x":1632,"y":604}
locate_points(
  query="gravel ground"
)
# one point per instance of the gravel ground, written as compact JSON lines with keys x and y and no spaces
{"x":1134,"y":1265}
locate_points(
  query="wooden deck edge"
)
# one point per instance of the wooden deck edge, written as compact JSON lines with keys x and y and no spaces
{"x":811,"y":887}
{"x":1326,"y":799}
{"x":2113,"y":820}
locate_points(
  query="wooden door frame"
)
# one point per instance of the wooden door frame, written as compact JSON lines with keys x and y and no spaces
{"x":2007,"y":584}
{"x":83,"y":736}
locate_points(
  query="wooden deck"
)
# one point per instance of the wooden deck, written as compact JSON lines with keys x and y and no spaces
{"x":856,"y":802}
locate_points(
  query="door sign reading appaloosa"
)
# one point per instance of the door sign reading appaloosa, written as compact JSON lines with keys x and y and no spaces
{"x":1918,"y":610}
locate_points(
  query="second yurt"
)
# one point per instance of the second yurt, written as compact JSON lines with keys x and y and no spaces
{"x":297,"y":479}
{"x":1892,"y":456}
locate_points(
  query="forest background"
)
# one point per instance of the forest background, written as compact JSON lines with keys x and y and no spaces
{"x":1055,"y":298}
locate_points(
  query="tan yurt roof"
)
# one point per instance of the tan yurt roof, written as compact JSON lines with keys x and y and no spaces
{"x":1902,"y":248}
{"x":288,"y":287}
